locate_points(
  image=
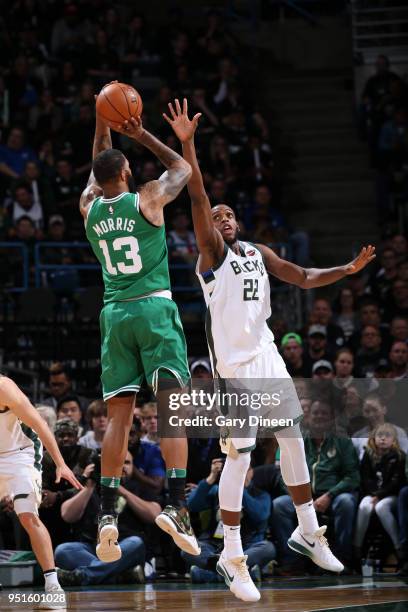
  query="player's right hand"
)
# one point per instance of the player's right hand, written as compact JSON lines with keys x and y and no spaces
{"x":183,"y":127}
{"x":132,"y":128}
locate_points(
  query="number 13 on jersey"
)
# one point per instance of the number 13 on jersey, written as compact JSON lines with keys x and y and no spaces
{"x":131,"y":253}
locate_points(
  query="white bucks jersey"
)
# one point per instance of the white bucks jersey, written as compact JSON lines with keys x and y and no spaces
{"x":237,"y":294}
{"x":17,"y":439}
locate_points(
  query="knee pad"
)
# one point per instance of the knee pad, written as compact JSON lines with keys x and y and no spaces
{"x":292,"y":456}
{"x":231,"y":487}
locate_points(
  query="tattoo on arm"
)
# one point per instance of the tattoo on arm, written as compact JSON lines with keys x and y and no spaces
{"x":102,"y":141}
{"x":167,"y":156}
{"x":173,"y":181}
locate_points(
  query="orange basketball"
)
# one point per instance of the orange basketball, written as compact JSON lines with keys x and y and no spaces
{"x":118,"y":102}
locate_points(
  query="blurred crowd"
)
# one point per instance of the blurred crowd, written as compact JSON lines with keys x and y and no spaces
{"x":57,"y":55}
{"x":383,"y":122}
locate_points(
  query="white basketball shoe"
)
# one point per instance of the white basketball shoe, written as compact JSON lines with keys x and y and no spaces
{"x":316,"y":547}
{"x":236,"y":575}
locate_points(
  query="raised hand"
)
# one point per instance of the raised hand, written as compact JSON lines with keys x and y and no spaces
{"x":183,"y":127}
{"x":366,"y":255}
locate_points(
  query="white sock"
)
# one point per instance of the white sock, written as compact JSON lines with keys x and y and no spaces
{"x":307,"y":518}
{"x":232,"y":541}
{"x":51,"y":579}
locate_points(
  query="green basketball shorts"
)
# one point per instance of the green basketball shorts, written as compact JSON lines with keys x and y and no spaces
{"x":140,"y":339}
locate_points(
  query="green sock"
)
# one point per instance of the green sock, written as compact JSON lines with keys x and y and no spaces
{"x":177,"y":483}
{"x":109,"y":493}
{"x":176,"y":473}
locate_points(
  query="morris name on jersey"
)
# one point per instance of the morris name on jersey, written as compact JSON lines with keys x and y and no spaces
{"x":114,"y":224}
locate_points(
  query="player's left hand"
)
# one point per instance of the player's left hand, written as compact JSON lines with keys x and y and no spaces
{"x":63,"y":471}
{"x":183,"y":127}
{"x":366,"y":255}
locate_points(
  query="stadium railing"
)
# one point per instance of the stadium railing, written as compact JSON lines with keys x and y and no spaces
{"x":4,"y":255}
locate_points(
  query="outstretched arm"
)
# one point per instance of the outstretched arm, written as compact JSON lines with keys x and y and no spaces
{"x":102,"y":141}
{"x":11,"y":397}
{"x":209,"y":240}
{"x":309,"y":278}
{"x":156,"y":194}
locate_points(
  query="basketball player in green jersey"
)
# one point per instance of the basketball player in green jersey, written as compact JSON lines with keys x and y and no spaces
{"x":141,"y":332}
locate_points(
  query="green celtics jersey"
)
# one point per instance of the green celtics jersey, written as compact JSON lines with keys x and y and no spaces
{"x":131,"y":251}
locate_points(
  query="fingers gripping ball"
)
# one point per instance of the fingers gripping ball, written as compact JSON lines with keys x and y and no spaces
{"x":118,"y":102}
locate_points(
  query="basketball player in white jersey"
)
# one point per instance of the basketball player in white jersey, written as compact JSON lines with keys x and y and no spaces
{"x":234,"y":279}
{"x":22,"y":434}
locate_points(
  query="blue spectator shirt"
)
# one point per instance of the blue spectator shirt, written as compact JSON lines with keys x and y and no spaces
{"x":16,"y":160}
{"x":149,"y":460}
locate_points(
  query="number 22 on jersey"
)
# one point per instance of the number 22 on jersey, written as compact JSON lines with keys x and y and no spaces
{"x":131,"y":254}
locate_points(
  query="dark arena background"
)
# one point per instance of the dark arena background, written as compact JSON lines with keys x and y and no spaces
{"x":304,"y":133}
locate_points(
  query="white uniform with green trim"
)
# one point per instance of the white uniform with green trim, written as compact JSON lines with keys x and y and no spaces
{"x":20,"y":463}
{"x":242,"y":347}
{"x":237,"y":294}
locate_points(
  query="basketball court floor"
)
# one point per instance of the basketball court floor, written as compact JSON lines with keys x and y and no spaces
{"x":378,"y":594}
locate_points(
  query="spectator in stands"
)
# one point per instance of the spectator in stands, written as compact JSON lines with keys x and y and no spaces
{"x":48,"y":414}
{"x":14,"y":154}
{"x":375,"y":411}
{"x":292,"y":351}
{"x":69,"y":407}
{"x":149,"y":423}
{"x":53,"y":494}
{"x":56,"y":254}
{"x":321,"y":314}
{"x":333,"y":463}
{"x":39,"y":185}
{"x":369,"y":353}
{"x":69,"y":34}
{"x":182,"y":249}
{"x":256,"y":507}
{"x":403,"y":523}
{"x":67,"y":189}
{"x":23,"y":231}
{"x":402,"y":270}
{"x":397,"y":304}
{"x":398,"y":359}
{"x":46,"y":117}
{"x":181,"y":240}
{"x":23,"y":205}
{"x":148,"y":464}
{"x":343,"y":365}
{"x":136,"y":513}
{"x":316,"y":347}
{"x":345,"y":315}
{"x":369,"y":314}
{"x":383,"y":279}
{"x":201,"y":368}
{"x":102,"y":60}
{"x":322,"y":370}
{"x":382,"y":476}
{"x":60,"y":384}
{"x":376,"y":94}
{"x":264,"y":216}
{"x":96,"y":416}
{"x":399,"y":329}
{"x":351,"y":418}
{"x":399,"y":243}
